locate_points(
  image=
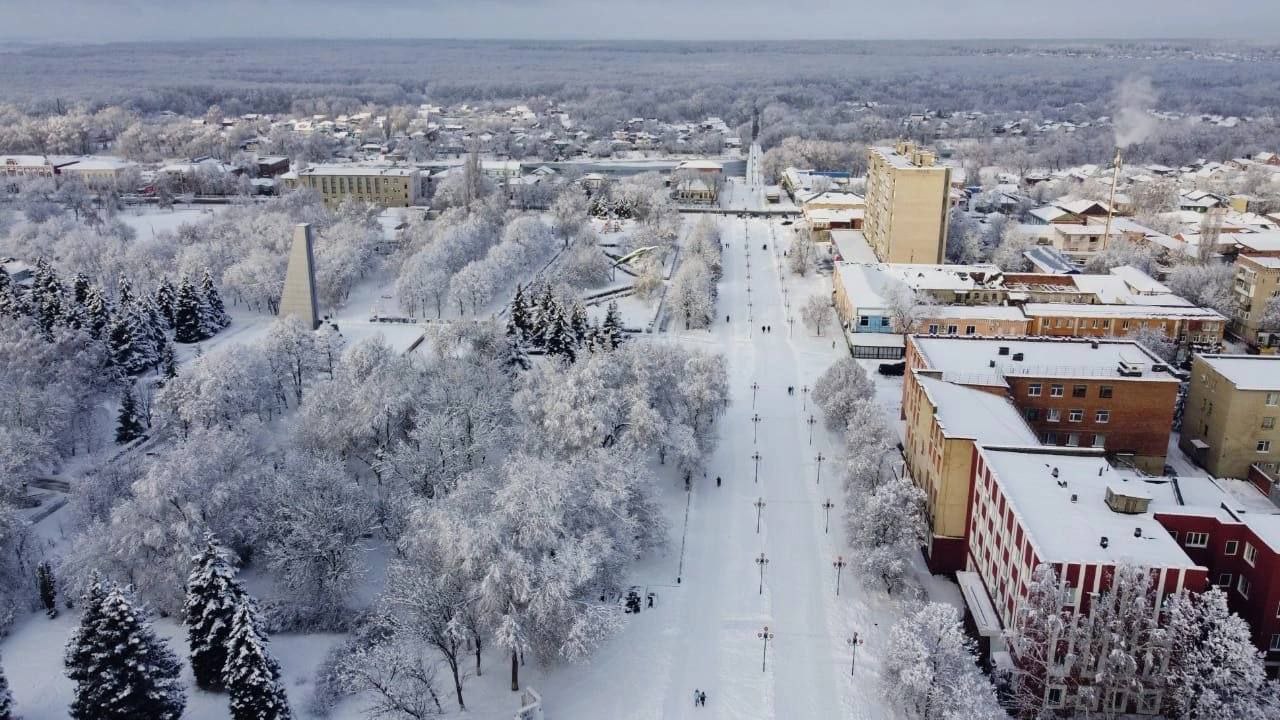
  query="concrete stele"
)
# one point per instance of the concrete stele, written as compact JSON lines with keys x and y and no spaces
{"x":299,"y":297}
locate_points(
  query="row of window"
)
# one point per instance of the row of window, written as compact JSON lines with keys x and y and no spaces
{"x":1077,"y":391}
{"x":1073,"y":439}
{"x":1074,"y":415}
{"x":1193,"y":539}
{"x":1117,"y":700}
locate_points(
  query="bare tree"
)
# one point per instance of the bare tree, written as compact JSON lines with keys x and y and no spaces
{"x":817,"y":311}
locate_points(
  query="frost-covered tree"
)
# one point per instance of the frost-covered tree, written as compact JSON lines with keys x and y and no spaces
{"x":692,"y":293}
{"x":1207,"y":285}
{"x":906,"y":308}
{"x":188,"y":314}
{"x":930,"y":669}
{"x":251,"y":675}
{"x":611,"y":332}
{"x":840,"y":389}
{"x":213,"y":313}
{"x":887,"y":527}
{"x":6,"y":697}
{"x":122,"y":670}
{"x":817,"y":311}
{"x":1156,"y":341}
{"x":290,"y":350}
{"x":396,"y":675}
{"x":430,"y":606}
{"x":1040,"y":642}
{"x":128,"y":423}
{"x":213,"y":595}
{"x":47,"y":584}
{"x":803,"y":254}
{"x":1121,"y":640}
{"x":1009,"y":255}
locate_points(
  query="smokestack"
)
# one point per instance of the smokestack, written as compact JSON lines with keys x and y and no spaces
{"x":1111,"y":204}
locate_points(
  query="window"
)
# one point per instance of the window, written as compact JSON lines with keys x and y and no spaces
{"x":1073,"y":440}
{"x":1053,"y":415}
{"x":1242,"y":586}
{"x":1224,"y":580}
{"x":1250,"y":554}
{"x":1173,"y":534}
{"x":1056,"y":693}
{"x":1231,"y":548}
{"x":1079,"y":390}
{"x":1268,"y":423}
{"x":951,"y":329}
{"x":1033,"y":414}
{"x":1051,"y":438}
{"x":864,"y":321}
{"x":1275,"y":643}
{"x":1273,"y":398}
{"x":1075,"y":415}
{"x":1102,"y":416}
{"x":1197,"y":540}
{"x":1033,"y":390}
{"x":1263,"y":446}
{"x":933,"y":329}
{"x":1104,"y":391}
{"x":1099,"y":440}
{"x":884,"y":322}
{"x":1055,"y":391}
{"x":970,"y":329}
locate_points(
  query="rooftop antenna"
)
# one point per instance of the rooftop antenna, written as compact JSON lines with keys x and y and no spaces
{"x":1111,"y":204}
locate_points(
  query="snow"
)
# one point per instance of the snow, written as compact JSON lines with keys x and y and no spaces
{"x":148,"y":221}
{"x":982,"y":416}
{"x":1247,"y":372}
{"x":972,"y":357}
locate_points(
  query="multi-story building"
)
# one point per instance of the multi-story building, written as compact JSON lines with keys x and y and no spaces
{"x":1257,"y":282}
{"x":1201,"y":328}
{"x":908,"y":199}
{"x":1229,"y":419}
{"x":1108,"y":394}
{"x":946,"y":423}
{"x":387,"y":186}
{"x":97,"y":172}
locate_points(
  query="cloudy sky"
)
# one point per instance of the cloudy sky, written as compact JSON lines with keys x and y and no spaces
{"x":109,"y":20}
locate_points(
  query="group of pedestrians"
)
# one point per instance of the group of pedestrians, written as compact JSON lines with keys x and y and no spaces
{"x":766,"y":328}
{"x":699,"y":698}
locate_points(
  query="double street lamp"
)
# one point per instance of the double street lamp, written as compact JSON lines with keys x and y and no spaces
{"x":759,"y":503}
{"x":756,"y":456}
{"x":755,"y":428}
{"x":839,"y":565}
{"x":761,"y":561}
{"x":826,"y":520}
{"x":766,"y":636}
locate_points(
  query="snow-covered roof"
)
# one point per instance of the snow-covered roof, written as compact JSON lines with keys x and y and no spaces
{"x":1049,"y":259}
{"x":985,"y":417}
{"x":1247,"y":372}
{"x":699,"y":165}
{"x":979,"y":312}
{"x":852,"y":246}
{"x":979,"y":361}
{"x":1268,"y":241}
{"x":1120,"y":311}
{"x":1061,"y":529}
{"x":346,"y":170}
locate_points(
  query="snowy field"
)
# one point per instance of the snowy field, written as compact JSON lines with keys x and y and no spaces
{"x":149,"y":220}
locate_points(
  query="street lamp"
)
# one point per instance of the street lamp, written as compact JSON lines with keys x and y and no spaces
{"x":761,"y":561}
{"x":759,"y":503}
{"x":826,"y":520}
{"x":755,"y":427}
{"x":805,"y":390}
{"x":766,"y":636}
{"x":756,"y":456}
{"x":839,"y":565}
{"x":811,"y":423}
{"x":820,"y":458}
{"x":755,"y":388}
{"x":853,"y":644}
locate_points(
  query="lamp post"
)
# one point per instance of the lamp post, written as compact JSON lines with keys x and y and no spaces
{"x":766,"y":636}
{"x":839,"y":565}
{"x":805,"y":391}
{"x":811,"y":423}
{"x":761,"y":561}
{"x":755,"y":388}
{"x":759,"y":503}
{"x":853,"y":644}
{"x":756,"y":456}
{"x":826,"y":512}
{"x":755,"y":428}
{"x":820,"y":458}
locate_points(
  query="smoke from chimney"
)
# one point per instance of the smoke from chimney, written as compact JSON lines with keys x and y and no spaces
{"x":1132,"y":122}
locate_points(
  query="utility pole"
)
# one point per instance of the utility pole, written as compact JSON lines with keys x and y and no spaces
{"x":766,"y":636}
{"x":756,"y":456}
{"x":761,"y":561}
{"x":826,"y":511}
{"x":811,"y":423}
{"x":755,"y":388}
{"x":820,"y":458}
{"x":853,"y":643}
{"x":759,"y":503}
{"x":755,"y":428}
{"x":839,"y":565}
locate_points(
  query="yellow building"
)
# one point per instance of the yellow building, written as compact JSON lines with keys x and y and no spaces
{"x":1257,"y":281}
{"x":907,"y":203}
{"x":1230,"y":415}
{"x":945,"y":423}
{"x":384,"y":185}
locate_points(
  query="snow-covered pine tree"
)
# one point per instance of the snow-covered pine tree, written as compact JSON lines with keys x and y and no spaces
{"x":145,"y":333}
{"x":251,"y":675}
{"x":47,"y":585}
{"x":128,"y":424}
{"x":124,"y":290}
{"x":121,"y":345}
{"x":187,"y":314}
{"x":561,"y":340}
{"x":8,"y":301}
{"x":122,"y":670}
{"x":166,"y":297}
{"x":543,"y":317}
{"x":97,"y":313}
{"x":168,"y":363}
{"x":46,"y":296}
{"x":519,"y":317}
{"x":213,"y":594}
{"x":80,"y":288}
{"x":579,"y":325}
{"x":611,"y":329}
{"x":6,"y":697}
{"x":516,"y":355}
{"x":214,"y":314}
{"x":156,"y":325}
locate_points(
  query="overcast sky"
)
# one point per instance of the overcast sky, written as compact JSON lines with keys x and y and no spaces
{"x":108,"y":20}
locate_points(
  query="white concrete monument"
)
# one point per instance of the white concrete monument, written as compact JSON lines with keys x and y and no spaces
{"x":299,"y":297}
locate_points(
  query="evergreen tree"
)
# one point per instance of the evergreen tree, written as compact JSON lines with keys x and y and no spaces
{"x":544,"y":318}
{"x":154,"y":325}
{"x":122,"y":670}
{"x":48,"y":587}
{"x":579,"y":324}
{"x":128,"y":424}
{"x":187,"y":326}
{"x":516,"y":355}
{"x":519,"y":318}
{"x":46,"y":296}
{"x":98,"y":313}
{"x":168,"y":363}
{"x":214,"y":314}
{"x":80,"y":288}
{"x":213,"y":594}
{"x":251,"y":674}
{"x":6,"y":697}
{"x":124,"y":291}
{"x":611,"y":329}
{"x":561,"y":340}
{"x":122,"y":346}
{"x":8,"y":300}
{"x":166,"y":298}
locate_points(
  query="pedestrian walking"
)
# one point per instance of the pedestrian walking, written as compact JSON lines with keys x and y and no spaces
{"x":717,"y":481}
{"x":697,"y":697}
{"x":702,"y":699}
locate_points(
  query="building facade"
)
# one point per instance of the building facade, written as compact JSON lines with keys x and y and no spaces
{"x":385,"y":186}
{"x":1257,"y":282}
{"x":1231,"y":414}
{"x":908,"y":199}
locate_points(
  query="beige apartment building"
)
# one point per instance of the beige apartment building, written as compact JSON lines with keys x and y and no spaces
{"x":1229,"y":418}
{"x":908,"y":198}
{"x":386,"y":186}
{"x":1257,"y":281}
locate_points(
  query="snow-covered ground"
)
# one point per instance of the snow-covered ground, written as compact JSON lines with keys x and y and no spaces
{"x":150,"y":220}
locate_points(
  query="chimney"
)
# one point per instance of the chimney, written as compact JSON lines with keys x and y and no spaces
{"x":1094,"y":344}
{"x":1004,"y":350}
{"x":1104,"y":542}
{"x":1054,"y":472}
{"x":1074,"y":497}
{"x":1137,"y":532}
{"x":1017,"y":357}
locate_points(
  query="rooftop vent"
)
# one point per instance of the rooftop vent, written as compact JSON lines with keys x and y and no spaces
{"x":1137,"y":532}
{"x":1129,"y":500}
{"x":1095,"y":344}
{"x":1104,"y":542}
{"x":1074,"y":497}
{"x":1054,"y":472}
{"x":1128,"y":368}
{"x":1004,"y":350}
{"x":992,"y":364}
{"x":1017,"y":357}
{"x":1159,"y":367}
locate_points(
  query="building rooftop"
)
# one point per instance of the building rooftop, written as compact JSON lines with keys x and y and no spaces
{"x":1247,"y":372}
{"x":982,"y":416}
{"x":379,"y":170}
{"x":1271,"y":263}
{"x":988,"y":361}
{"x":1066,"y":515}
{"x":1268,"y":241}
{"x":1137,"y":310}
